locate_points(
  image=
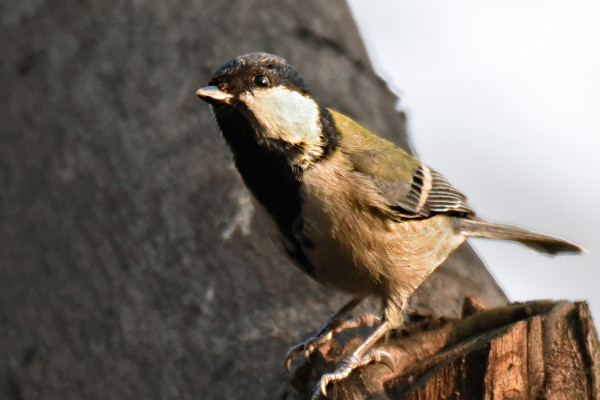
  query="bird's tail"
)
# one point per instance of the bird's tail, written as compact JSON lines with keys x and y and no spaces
{"x":537,"y":241}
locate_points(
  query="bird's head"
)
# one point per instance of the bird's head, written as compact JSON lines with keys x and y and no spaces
{"x":261,"y":95}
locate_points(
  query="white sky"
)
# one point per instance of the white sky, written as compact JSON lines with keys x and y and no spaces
{"x":503,"y":98}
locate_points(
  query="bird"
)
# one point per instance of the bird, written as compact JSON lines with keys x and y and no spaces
{"x":351,"y":209}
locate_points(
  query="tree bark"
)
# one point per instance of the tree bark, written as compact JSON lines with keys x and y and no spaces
{"x":131,"y":265}
{"x":532,"y":351}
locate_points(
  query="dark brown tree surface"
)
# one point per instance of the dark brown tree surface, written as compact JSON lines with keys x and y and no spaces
{"x":131,"y":264}
{"x":532,"y":351}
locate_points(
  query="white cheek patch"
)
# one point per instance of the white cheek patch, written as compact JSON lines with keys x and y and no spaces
{"x":285,"y":114}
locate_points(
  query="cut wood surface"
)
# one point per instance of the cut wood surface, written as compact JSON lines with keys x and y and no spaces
{"x":529,"y":351}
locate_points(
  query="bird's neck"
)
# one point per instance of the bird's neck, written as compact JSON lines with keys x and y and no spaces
{"x":273,"y":181}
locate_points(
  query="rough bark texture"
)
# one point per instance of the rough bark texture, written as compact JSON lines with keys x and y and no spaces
{"x":534,"y":351}
{"x":130,"y":264}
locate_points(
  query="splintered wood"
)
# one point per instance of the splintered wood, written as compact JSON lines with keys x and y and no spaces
{"x":532,"y":351}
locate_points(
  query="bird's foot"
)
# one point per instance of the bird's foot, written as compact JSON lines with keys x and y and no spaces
{"x":350,"y":364}
{"x":326,"y":334}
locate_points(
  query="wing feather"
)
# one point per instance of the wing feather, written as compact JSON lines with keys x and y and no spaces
{"x":409,"y":187}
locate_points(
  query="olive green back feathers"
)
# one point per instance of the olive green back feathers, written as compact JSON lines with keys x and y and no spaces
{"x":411,"y":188}
{"x":414,"y":190}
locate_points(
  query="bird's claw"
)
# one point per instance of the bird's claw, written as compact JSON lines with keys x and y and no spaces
{"x":325,"y":335}
{"x":308,"y":347}
{"x":350,"y":364}
{"x":291,"y":354}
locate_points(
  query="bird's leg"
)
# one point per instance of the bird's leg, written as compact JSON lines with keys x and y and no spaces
{"x":334,"y":325}
{"x":394,"y":306}
{"x":362,"y":356}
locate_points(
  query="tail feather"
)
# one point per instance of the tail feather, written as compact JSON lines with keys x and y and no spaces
{"x":537,"y":241}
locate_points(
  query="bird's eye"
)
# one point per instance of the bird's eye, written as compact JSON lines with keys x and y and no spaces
{"x":261,"y":80}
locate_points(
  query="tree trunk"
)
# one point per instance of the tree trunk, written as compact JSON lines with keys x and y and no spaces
{"x":131,"y":265}
{"x":531,"y":351}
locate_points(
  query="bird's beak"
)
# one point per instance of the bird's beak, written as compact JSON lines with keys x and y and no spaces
{"x":212,"y":94}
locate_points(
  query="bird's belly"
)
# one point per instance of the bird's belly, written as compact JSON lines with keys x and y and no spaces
{"x":341,"y":244}
{"x":373,"y":257}
{"x":360,"y":251}
{"x":334,"y":264}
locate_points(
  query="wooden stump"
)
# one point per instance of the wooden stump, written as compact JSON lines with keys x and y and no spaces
{"x":537,"y":350}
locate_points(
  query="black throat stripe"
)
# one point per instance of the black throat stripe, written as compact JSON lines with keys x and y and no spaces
{"x":268,"y":175}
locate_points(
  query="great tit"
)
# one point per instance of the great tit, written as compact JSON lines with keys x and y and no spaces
{"x":353,"y":211}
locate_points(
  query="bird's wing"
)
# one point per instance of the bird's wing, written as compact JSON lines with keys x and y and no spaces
{"x":409,"y":187}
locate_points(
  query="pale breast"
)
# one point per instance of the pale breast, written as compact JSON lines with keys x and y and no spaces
{"x":358,"y":248}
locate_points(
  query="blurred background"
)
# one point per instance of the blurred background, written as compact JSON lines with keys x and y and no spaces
{"x":504,"y":99}
{"x":129,"y":264}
